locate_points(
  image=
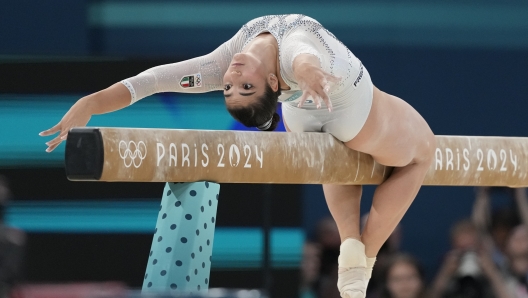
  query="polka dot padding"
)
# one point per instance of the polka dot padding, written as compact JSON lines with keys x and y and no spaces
{"x":179,"y":260}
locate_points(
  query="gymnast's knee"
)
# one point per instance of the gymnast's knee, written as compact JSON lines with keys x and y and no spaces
{"x":426,"y":152}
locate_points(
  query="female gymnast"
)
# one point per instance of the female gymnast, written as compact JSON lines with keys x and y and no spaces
{"x":295,"y":60}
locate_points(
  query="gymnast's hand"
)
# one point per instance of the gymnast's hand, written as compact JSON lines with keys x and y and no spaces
{"x":313,"y":80}
{"x":78,"y":115}
{"x":105,"y":101}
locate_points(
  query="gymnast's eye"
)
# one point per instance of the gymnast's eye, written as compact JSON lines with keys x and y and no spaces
{"x":247,"y":86}
{"x":227,"y":87}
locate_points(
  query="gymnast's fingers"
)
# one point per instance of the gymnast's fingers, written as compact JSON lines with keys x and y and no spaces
{"x":52,"y":147}
{"x":50,"y":131}
{"x":326,"y":85}
{"x":56,"y":141}
{"x":316,"y":98}
{"x":304,"y":96}
{"x":328,"y":82}
{"x":322,"y":94}
{"x":327,"y":100}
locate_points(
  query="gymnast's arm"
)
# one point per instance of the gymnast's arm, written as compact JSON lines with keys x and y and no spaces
{"x":186,"y":76}
{"x":110,"y":99}
{"x":305,"y":67}
{"x":312,"y":80}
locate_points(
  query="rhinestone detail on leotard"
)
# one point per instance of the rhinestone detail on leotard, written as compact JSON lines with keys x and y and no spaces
{"x":295,"y":34}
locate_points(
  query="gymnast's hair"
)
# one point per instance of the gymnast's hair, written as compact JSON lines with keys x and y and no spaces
{"x":260,"y":114}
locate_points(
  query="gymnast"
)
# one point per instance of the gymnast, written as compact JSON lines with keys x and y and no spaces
{"x":293,"y":59}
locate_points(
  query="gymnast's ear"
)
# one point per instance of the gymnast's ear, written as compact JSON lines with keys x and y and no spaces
{"x":273,"y":81}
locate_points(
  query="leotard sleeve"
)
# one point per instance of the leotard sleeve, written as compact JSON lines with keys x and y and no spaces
{"x":296,"y":43}
{"x":197,"y":75}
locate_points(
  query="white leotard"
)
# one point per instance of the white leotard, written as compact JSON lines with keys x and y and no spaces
{"x":295,"y":34}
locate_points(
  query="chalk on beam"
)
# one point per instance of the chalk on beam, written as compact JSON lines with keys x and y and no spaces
{"x":159,"y":155}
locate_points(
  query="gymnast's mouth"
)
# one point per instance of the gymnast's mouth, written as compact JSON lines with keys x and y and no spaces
{"x":237,"y":64}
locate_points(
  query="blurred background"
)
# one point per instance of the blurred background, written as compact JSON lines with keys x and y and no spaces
{"x":462,"y":64}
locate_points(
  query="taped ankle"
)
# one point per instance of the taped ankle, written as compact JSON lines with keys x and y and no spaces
{"x":370,"y":265}
{"x":352,"y":254}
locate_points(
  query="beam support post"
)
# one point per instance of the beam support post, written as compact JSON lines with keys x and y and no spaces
{"x":182,"y":246}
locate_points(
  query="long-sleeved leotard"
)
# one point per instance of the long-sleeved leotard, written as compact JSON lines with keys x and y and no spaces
{"x":295,"y":34}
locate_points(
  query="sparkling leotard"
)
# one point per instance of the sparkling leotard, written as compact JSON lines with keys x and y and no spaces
{"x":295,"y":34}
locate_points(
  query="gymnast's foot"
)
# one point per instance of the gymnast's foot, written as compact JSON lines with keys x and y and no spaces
{"x":352,"y":275}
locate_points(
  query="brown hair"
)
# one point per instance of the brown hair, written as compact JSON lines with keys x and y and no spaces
{"x":260,"y":112}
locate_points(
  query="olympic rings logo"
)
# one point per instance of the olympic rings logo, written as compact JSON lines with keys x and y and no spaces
{"x":132,"y":153}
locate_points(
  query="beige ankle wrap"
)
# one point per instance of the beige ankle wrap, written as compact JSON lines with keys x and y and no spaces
{"x":352,"y":254}
{"x":370,"y":265}
{"x":352,"y":275}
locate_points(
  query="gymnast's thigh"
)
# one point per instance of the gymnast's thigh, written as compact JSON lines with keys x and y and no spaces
{"x":395,"y":134}
{"x":300,"y":120}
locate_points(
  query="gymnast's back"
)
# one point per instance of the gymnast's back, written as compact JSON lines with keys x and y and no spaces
{"x":295,"y":34}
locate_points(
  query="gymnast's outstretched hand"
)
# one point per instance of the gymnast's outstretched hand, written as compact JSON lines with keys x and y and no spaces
{"x":78,"y":115}
{"x":108,"y":100}
{"x":313,"y":80}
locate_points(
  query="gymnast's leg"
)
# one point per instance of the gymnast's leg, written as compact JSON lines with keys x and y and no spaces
{"x":344,"y":203}
{"x":391,"y":200}
{"x":395,"y":135}
{"x":405,"y":142}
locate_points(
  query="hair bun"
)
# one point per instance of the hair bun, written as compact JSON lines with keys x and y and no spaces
{"x":274,"y":122}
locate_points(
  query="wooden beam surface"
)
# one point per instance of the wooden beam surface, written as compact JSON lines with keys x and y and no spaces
{"x":163,"y":155}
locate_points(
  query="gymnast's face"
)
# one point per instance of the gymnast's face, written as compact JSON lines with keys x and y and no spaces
{"x":244,"y":81}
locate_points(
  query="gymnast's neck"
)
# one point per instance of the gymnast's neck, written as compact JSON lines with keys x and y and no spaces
{"x":264,"y":47}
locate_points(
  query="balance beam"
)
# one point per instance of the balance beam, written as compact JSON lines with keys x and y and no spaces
{"x":174,"y":155}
